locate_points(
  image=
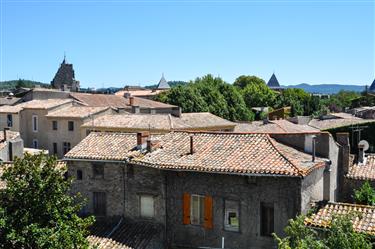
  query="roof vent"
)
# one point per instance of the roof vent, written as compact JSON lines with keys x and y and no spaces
{"x":362,"y":147}
{"x":191,"y":145}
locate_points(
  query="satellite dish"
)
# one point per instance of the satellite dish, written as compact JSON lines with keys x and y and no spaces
{"x":365,"y":144}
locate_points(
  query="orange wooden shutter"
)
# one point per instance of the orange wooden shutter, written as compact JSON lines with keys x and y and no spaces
{"x":208,"y":212}
{"x":186,"y":209}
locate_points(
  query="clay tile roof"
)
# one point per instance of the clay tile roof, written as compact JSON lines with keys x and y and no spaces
{"x":105,"y":146}
{"x":274,"y":126}
{"x":228,"y":153}
{"x":10,"y":135}
{"x":9,"y":101}
{"x":115,"y":101}
{"x":338,"y":122}
{"x":10,"y":109}
{"x":76,"y":112}
{"x":364,"y":220}
{"x":105,"y":243}
{"x":363,"y":171}
{"x":160,"y":122}
{"x":43,"y":103}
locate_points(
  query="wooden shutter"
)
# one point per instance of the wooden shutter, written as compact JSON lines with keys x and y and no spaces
{"x":186,"y":209}
{"x":208,"y":224}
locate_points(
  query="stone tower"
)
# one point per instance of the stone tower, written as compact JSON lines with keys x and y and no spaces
{"x":163,"y":84}
{"x":64,"y":78}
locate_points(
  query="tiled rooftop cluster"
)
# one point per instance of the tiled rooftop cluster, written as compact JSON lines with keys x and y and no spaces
{"x":363,"y":216}
{"x":274,"y":126}
{"x":160,"y":122}
{"x":105,"y":243}
{"x":363,"y":171}
{"x":229,"y":153}
{"x":34,"y":104}
{"x":342,"y":119}
{"x":213,"y":152}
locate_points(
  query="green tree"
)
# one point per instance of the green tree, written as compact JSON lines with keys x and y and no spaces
{"x":36,"y":211}
{"x":297,"y":99}
{"x":365,"y":195}
{"x":245,"y":80}
{"x":258,"y":95}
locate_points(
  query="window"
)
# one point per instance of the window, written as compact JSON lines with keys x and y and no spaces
{"x":35,"y":123}
{"x":54,"y":148}
{"x":9,"y":120}
{"x":54,"y":125}
{"x":66,"y":147}
{"x":99,"y":204}
{"x":147,"y":206}
{"x":267,"y":219}
{"x":98,"y":170}
{"x":197,"y":209}
{"x":231,"y":216}
{"x":70,"y":125}
{"x":79,"y":175}
{"x":35,"y":143}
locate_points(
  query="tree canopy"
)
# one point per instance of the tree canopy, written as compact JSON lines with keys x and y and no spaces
{"x":36,"y":210}
{"x":365,"y":195}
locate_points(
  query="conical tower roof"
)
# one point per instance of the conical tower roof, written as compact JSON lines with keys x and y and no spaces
{"x":163,"y":84}
{"x":372,"y":87}
{"x":273,"y":82}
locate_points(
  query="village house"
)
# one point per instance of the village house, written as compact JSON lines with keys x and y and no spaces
{"x":206,"y":186}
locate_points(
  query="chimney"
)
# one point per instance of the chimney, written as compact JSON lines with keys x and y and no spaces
{"x":191,"y":144}
{"x":361,"y":153}
{"x":142,"y":138}
{"x":313,"y":147}
{"x":131,"y":101}
{"x":5,"y":133}
{"x":127,"y":95}
{"x":149,"y":145}
{"x":265,"y":121}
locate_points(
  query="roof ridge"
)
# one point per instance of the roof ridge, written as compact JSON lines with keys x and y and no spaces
{"x":351,"y":204}
{"x":300,"y":172}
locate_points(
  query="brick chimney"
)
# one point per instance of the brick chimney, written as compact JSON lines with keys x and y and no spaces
{"x":142,"y":138}
{"x":131,"y":100}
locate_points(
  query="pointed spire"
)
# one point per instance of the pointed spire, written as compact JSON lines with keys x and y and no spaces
{"x":273,"y":82}
{"x":372,"y":87}
{"x":163,"y":84}
{"x":64,"y":61}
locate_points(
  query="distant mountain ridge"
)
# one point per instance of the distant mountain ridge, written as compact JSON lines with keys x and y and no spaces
{"x":11,"y":84}
{"x":327,"y":88}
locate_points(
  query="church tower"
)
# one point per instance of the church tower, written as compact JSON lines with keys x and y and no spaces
{"x":64,"y":78}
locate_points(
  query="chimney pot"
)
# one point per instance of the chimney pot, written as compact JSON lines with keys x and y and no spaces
{"x":149,"y":145}
{"x":142,"y":138}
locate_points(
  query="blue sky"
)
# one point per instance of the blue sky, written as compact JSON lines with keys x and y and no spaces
{"x":113,"y":43}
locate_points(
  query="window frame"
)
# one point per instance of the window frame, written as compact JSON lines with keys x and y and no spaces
{"x":266,"y":207}
{"x":66,"y":147}
{"x":140,"y":206}
{"x":9,"y":120}
{"x":35,"y":124}
{"x":95,"y":200}
{"x":55,"y":125}
{"x":54,"y":148}
{"x":95,"y":167}
{"x":70,"y":125}
{"x":79,"y":175}
{"x":200,"y":211}
{"x":231,"y":209}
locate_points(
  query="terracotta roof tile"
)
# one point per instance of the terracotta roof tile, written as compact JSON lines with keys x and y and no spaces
{"x":76,"y":112}
{"x":338,"y":122}
{"x":105,"y":146}
{"x":228,"y":153}
{"x":274,"y":126}
{"x":160,"y":122}
{"x":363,"y":171}
{"x":105,"y":243}
{"x":364,"y":220}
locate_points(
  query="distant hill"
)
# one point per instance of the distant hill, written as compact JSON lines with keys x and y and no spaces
{"x":327,"y":88}
{"x":11,"y":84}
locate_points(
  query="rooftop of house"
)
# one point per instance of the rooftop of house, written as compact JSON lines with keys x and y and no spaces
{"x":363,"y":171}
{"x":122,"y":234}
{"x":363,"y":216}
{"x":9,"y":100}
{"x":10,"y":135}
{"x":160,"y":122}
{"x":274,"y":126}
{"x":338,"y":122}
{"x":139,"y":93}
{"x":116,"y":101}
{"x":228,"y":153}
{"x":76,"y":112}
{"x":105,"y":146}
{"x":43,"y":103}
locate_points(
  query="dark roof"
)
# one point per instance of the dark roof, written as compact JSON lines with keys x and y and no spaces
{"x":372,"y":87}
{"x":273,"y":82}
{"x":163,"y":84}
{"x":126,"y":232}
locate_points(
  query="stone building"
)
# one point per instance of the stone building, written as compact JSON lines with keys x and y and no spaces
{"x":64,"y":78}
{"x":274,"y":84}
{"x":206,"y":186}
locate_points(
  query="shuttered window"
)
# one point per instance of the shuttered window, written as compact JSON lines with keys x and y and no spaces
{"x":147,"y":206}
{"x":100,"y":203}
{"x":197,"y":210}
